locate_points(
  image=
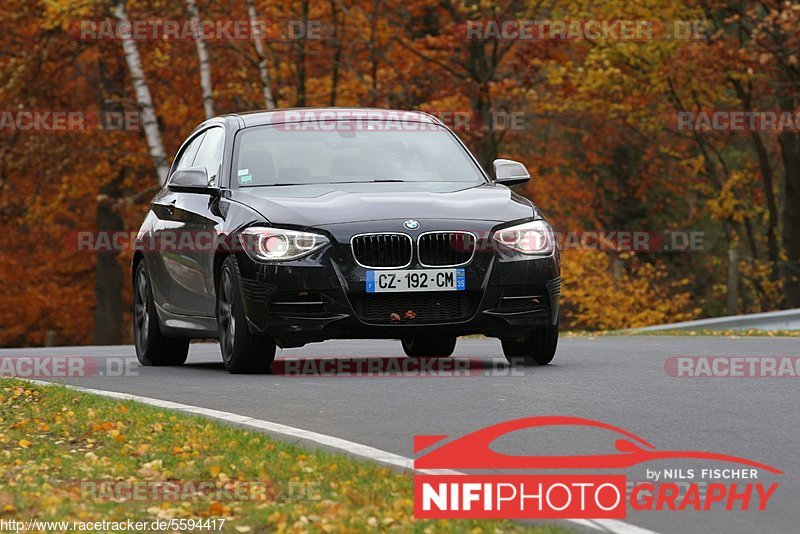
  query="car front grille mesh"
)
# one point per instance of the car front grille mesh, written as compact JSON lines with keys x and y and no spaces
{"x":443,"y":249}
{"x":382,"y":250}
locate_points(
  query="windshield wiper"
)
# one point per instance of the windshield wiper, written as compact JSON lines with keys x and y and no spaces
{"x":324,"y":183}
{"x":367,"y":181}
{"x":271,"y":185}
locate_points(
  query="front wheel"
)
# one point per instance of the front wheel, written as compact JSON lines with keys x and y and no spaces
{"x":242,"y":352}
{"x":538,"y":348}
{"x":429,"y":346}
{"x":152,"y":347}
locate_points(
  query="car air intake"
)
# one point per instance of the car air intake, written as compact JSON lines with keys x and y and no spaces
{"x":408,"y":308}
{"x":382,"y":250}
{"x":446,"y":249}
{"x":297,"y":304}
{"x":523,"y":298}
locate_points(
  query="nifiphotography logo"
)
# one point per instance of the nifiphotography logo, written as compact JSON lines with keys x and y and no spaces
{"x":440,"y":493}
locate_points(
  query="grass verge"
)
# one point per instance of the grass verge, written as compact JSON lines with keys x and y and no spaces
{"x":70,"y":456}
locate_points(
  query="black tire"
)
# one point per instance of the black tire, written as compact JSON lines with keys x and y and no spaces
{"x":152,"y":347}
{"x":242,"y":352}
{"x":538,"y":348}
{"x":429,"y":347}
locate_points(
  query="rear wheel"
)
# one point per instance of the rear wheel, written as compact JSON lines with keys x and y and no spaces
{"x":429,"y":346}
{"x":242,"y":352}
{"x":152,"y":347}
{"x":538,"y":348}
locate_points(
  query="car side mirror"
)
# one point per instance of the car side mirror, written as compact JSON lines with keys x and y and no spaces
{"x":192,"y":179}
{"x":509,"y":172}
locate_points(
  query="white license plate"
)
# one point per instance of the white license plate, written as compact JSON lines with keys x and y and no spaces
{"x":416,"y":280}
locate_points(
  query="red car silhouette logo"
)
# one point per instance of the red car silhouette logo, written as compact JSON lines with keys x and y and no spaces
{"x":473,"y":451}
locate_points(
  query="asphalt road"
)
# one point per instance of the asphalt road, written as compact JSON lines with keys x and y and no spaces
{"x":618,"y":380}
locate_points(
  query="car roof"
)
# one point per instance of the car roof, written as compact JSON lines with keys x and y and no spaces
{"x":286,"y":115}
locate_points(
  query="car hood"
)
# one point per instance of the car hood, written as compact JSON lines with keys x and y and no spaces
{"x":325,"y":204}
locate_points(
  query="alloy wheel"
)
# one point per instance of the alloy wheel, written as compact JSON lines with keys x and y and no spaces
{"x":141,"y":317}
{"x":227,"y":318}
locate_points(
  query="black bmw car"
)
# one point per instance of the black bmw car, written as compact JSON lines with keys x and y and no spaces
{"x":289,"y":227}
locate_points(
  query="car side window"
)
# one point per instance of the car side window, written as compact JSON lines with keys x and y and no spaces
{"x":185,"y":158}
{"x":210,"y":153}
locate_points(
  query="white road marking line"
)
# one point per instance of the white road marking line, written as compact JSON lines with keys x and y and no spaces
{"x":614,"y":525}
{"x":351,"y":447}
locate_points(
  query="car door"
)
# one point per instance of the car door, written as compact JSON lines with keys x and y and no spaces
{"x":165,"y":232}
{"x":186,"y":229}
{"x":195,"y":211}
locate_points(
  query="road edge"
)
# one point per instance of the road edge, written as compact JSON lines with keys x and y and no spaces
{"x":331,"y":442}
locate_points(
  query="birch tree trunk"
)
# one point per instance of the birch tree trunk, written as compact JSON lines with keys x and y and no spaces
{"x":300,"y":62}
{"x":143,"y":98}
{"x":269,"y":101}
{"x":337,"y":53}
{"x":202,"y":59}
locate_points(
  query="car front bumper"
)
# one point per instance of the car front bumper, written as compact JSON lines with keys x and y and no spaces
{"x":323,"y":296}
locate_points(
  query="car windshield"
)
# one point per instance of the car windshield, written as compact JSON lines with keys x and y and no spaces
{"x":314,"y":153}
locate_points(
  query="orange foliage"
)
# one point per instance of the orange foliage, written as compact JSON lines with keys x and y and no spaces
{"x":594,"y":137}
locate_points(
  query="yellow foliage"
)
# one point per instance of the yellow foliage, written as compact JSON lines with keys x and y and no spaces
{"x":640,"y":293}
{"x":762,"y":290}
{"x":730,"y":202}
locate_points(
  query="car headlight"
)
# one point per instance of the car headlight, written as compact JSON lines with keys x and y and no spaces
{"x":278,"y":244}
{"x":534,"y":238}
